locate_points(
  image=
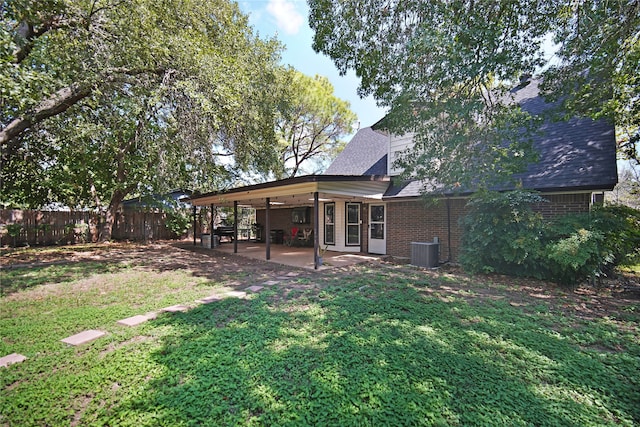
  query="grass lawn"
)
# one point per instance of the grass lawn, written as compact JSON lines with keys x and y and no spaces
{"x":371,"y":345}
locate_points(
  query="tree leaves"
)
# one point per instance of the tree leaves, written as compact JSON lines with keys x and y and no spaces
{"x":310,"y":125}
{"x":443,"y":68}
{"x":159,"y":93}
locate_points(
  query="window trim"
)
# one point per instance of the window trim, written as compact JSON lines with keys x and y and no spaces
{"x":324,"y":237}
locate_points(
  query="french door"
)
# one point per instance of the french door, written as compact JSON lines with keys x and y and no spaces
{"x":353,"y":224}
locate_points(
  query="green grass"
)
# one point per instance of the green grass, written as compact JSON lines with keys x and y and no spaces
{"x":380,"y":347}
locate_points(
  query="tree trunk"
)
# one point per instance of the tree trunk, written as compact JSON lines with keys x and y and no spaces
{"x":106,"y":230}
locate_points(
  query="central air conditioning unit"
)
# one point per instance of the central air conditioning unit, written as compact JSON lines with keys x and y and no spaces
{"x":425,"y":254}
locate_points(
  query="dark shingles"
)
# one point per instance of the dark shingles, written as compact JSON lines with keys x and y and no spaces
{"x":576,"y":154}
{"x":365,"y":154}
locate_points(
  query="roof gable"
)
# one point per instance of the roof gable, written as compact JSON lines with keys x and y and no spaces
{"x":365,"y":154}
{"x":578,"y":154}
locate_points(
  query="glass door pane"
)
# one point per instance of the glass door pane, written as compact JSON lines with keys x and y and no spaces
{"x":353,"y":224}
{"x":377,"y":221}
{"x":329,"y":224}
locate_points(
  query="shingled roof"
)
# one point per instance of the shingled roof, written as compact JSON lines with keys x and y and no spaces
{"x":366,"y":154}
{"x":575,"y":155}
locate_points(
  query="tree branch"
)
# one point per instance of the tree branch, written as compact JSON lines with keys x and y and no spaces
{"x":64,"y":98}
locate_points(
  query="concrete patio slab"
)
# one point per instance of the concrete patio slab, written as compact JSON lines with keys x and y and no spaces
{"x":134,"y":320}
{"x":236,"y":294}
{"x":300,"y":257}
{"x":255,"y":288}
{"x":83,"y":337}
{"x":11,"y":359}
{"x":209,"y":299}
{"x":175,"y":308}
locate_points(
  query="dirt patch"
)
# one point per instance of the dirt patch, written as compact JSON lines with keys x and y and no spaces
{"x":588,"y":301}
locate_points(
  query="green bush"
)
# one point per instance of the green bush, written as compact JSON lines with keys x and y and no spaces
{"x":572,"y":249}
{"x":621,"y":227}
{"x":178,"y":222}
{"x":504,"y":235}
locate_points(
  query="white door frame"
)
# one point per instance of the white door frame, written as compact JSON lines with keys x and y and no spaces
{"x":377,"y":228}
{"x":351,"y":225}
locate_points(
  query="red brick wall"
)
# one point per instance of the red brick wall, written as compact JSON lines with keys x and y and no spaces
{"x":419,"y":221}
{"x":281,"y":220}
{"x":560,"y":204}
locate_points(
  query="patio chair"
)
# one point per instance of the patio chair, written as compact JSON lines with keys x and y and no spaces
{"x":291,"y":239}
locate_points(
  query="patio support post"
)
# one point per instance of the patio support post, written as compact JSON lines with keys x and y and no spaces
{"x":316,"y":238}
{"x":211,"y":226}
{"x":267,"y":230}
{"x":235,"y":226}
{"x":194,"y":225}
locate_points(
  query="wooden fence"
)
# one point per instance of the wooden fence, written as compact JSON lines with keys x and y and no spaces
{"x":28,"y":227}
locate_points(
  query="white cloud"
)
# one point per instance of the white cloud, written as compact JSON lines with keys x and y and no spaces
{"x":287,"y":17}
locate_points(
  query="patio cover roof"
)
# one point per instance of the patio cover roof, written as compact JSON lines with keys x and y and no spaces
{"x":298,"y":191}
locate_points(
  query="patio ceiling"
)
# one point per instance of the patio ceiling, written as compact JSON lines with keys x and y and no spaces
{"x":299,"y":191}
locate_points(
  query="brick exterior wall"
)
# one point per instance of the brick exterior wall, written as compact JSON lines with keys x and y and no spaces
{"x":280,"y":219}
{"x":419,"y":221}
{"x":560,"y":204}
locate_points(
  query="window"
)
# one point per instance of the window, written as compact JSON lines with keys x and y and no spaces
{"x":329,"y":224}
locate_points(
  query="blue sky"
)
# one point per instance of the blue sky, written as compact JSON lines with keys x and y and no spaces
{"x":288,"y":21}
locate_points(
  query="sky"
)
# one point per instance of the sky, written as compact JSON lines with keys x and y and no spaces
{"x":288,"y":21}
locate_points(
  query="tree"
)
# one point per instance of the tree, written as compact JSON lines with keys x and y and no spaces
{"x":443,"y":69}
{"x":102,"y":99}
{"x":627,"y":191}
{"x":311,"y":123}
{"x":599,"y":72}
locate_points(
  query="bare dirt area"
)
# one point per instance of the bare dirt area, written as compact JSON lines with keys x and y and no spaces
{"x":588,"y":301}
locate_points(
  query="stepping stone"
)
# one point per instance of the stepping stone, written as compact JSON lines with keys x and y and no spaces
{"x":293,"y":274}
{"x":11,"y":359}
{"x":175,"y":308}
{"x":209,"y":299}
{"x":236,"y":294}
{"x":271,"y":282}
{"x":254,"y":288}
{"x":133,"y":321}
{"x":83,"y":337}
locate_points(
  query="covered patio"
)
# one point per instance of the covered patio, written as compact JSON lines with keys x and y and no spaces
{"x":296,"y":256}
{"x":305,"y":191}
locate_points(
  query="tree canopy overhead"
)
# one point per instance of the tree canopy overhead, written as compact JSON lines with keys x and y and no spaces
{"x":443,"y":67}
{"x":310,"y":125}
{"x":102,"y":98}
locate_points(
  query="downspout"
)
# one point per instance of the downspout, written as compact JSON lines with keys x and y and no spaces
{"x":448,"y":230}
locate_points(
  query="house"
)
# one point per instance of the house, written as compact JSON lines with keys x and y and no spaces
{"x":357,"y":206}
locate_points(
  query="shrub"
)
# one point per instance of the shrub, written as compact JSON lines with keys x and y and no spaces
{"x":14,"y":231}
{"x":621,"y":228}
{"x":178,"y":222}
{"x":572,"y":249}
{"x":504,"y":235}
